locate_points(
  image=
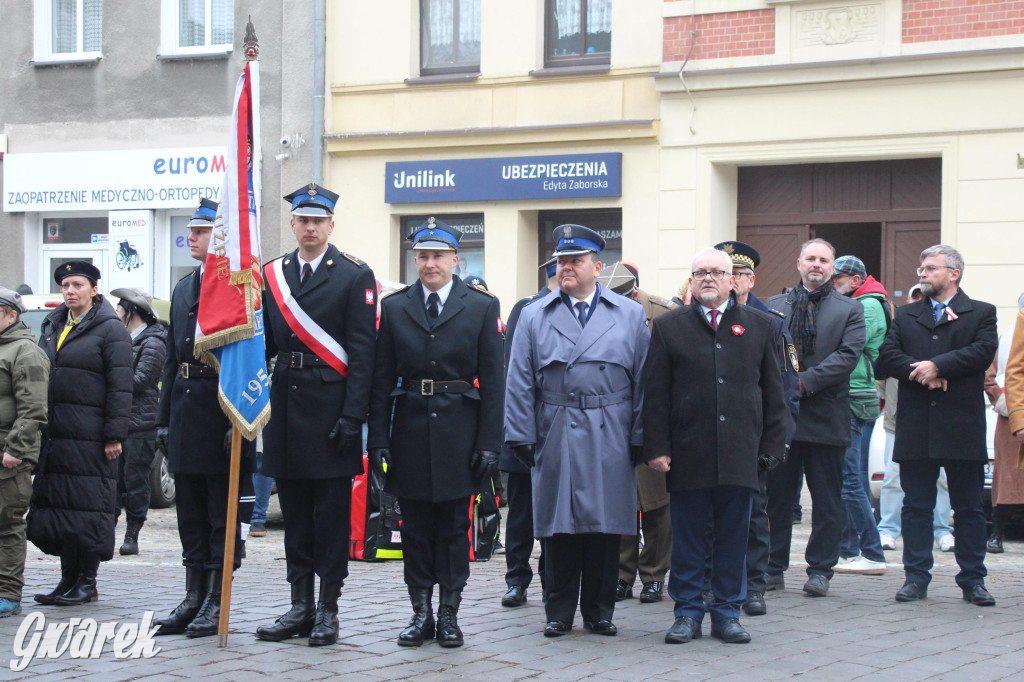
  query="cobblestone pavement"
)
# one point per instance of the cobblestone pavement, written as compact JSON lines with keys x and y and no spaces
{"x":857,"y":632}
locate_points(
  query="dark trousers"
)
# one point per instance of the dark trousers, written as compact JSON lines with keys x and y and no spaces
{"x":133,"y":469}
{"x":729,"y":506}
{"x":202,"y":508}
{"x":519,"y":532}
{"x":317,"y":519}
{"x":823,"y":469}
{"x":966,"y":481}
{"x":581,"y":569}
{"x":653,"y":562}
{"x":435,"y":543}
{"x":758,"y":536}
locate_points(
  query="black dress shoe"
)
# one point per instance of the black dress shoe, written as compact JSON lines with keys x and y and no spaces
{"x":516,"y":596}
{"x":816,"y":585}
{"x":755,"y":606}
{"x":682,"y":631}
{"x":556,"y":628}
{"x":911,"y":592}
{"x":623,"y":590}
{"x":729,"y":631}
{"x":774,"y":581}
{"x":601,"y":627}
{"x":652,"y":592}
{"x":978,"y":596}
{"x":994,"y":544}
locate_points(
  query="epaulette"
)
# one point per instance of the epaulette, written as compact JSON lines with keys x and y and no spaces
{"x":777,"y":312}
{"x":663,"y":302}
{"x":353,"y":259}
{"x":394,"y":291}
{"x":481,"y":290}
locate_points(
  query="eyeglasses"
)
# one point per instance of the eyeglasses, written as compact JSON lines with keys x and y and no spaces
{"x":715,"y":274}
{"x":743,"y":273}
{"x":932,"y":268}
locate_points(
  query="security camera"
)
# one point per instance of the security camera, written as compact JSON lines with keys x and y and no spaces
{"x":286,"y":141}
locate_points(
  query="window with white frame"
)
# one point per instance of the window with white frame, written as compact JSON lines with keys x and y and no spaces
{"x":68,"y":30}
{"x":196,"y":27}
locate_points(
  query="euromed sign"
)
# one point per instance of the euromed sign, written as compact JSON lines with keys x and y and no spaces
{"x":501,"y":179}
{"x":112,"y":180}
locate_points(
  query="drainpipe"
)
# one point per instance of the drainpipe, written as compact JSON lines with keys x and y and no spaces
{"x":319,"y":78}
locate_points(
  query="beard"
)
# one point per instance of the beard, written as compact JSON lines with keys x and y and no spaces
{"x":708,"y":297}
{"x":928,"y":289}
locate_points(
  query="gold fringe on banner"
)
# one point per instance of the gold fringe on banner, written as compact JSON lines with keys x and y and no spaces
{"x":205,"y":345}
{"x":248,"y":430}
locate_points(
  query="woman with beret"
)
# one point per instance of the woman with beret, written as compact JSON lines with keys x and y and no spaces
{"x":74,"y":499}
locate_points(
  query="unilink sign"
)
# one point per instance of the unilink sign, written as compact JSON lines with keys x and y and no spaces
{"x":522,"y":177}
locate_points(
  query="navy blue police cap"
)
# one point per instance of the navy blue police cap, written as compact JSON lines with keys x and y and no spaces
{"x":206,"y":213}
{"x":573,"y":240}
{"x":76,"y":267}
{"x":476,"y":281}
{"x":742,"y":255}
{"x":549,"y":266}
{"x":312,"y":199}
{"x":435,"y":235}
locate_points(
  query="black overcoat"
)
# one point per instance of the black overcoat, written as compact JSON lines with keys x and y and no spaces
{"x":189,"y":407}
{"x":714,"y":400}
{"x":74,"y":495}
{"x":941,"y":424}
{"x":306,"y":403}
{"x":432,"y":438}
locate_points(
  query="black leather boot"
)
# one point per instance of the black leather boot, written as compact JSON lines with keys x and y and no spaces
{"x":68,"y":575}
{"x":185,"y":612}
{"x":325,"y":622}
{"x":448,"y":633}
{"x":208,"y":619}
{"x":84,"y":589}
{"x":130,"y":545}
{"x":995,"y":540}
{"x":421,"y":626}
{"x":298,"y":621}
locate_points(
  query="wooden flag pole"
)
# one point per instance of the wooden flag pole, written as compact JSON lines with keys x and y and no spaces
{"x":229,"y":536}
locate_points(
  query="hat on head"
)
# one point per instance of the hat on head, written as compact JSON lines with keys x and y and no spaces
{"x":632,"y":268}
{"x":77,"y":267}
{"x":619,"y":278}
{"x":743,"y":255}
{"x":478,"y":282}
{"x":312,"y":199}
{"x":12,"y":299}
{"x":549,"y":266}
{"x":572,"y":240}
{"x":206,"y":213}
{"x":851,"y":265}
{"x":137,"y":297}
{"x":435,"y":235}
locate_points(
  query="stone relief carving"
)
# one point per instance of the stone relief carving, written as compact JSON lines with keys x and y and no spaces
{"x":840,"y":25}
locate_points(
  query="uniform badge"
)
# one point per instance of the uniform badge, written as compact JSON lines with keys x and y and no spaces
{"x":791,"y":351}
{"x":370,"y":296}
{"x":430,"y":223}
{"x":312,"y":189}
{"x":501,"y":326}
{"x":330,"y":262}
{"x":567,"y":230}
{"x":737,"y":330}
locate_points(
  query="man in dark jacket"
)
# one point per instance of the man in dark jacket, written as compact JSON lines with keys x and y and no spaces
{"x":519,"y":521}
{"x":194,"y":433}
{"x":74,"y":495}
{"x":149,"y":349}
{"x":828,"y":332}
{"x":938,"y":349}
{"x":24,"y":369}
{"x":435,"y":422}
{"x":714,"y":406}
{"x":321,"y":311}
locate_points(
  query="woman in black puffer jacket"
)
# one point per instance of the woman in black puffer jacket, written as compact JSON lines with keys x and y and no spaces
{"x":74,"y":496}
{"x":149,"y":348}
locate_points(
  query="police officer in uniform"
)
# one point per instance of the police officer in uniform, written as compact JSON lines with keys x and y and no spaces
{"x":321,"y":311}
{"x":195,"y":434}
{"x":435,"y":422}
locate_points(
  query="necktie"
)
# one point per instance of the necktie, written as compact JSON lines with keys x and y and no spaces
{"x":581,"y":313}
{"x":307,"y":272}
{"x":714,"y":318}
{"x":939,"y":310}
{"x":433,"y":301}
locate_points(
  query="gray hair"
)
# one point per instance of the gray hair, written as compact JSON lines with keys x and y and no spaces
{"x":952,"y":257}
{"x":817,"y":240}
{"x":726,"y":258}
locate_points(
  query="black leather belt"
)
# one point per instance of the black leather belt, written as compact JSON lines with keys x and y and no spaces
{"x":300,"y":360}
{"x":429,"y":387}
{"x":187,"y":371}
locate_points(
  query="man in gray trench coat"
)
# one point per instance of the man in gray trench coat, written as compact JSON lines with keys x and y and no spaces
{"x":573,"y":399}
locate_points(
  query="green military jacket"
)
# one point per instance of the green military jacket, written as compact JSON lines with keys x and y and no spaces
{"x":24,"y":376}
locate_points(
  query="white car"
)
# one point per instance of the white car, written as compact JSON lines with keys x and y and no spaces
{"x":876,"y":460}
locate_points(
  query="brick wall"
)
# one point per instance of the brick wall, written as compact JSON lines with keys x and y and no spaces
{"x":925,"y":20}
{"x":728,"y":34}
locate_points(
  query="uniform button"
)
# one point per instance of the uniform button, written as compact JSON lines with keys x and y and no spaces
{"x":933,"y":403}
{"x":721,"y":380}
{"x":570,"y":366}
{"x":191,"y":314}
{"x":188,"y":340}
{"x":935,"y":337}
{"x":573,"y":425}
{"x":572,"y":395}
{"x":187,"y":391}
{"x":295,"y":388}
{"x":433,"y":415}
{"x":433,"y":363}
{"x":718,"y":345}
{"x":721,"y":417}
{"x":432,"y":337}
{"x":294,"y":336}
{"x":602,"y":368}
